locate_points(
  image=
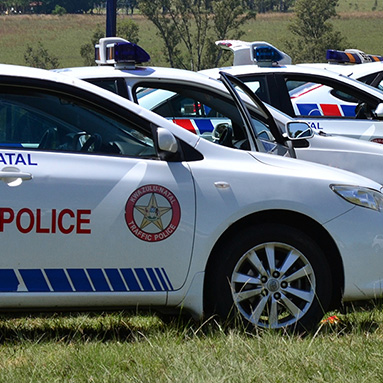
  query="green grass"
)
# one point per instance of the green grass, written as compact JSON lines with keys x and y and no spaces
{"x":64,"y":35}
{"x":140,"y":347}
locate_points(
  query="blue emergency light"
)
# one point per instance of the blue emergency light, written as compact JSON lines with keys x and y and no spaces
{"x":350,"y":56}
{"x":119,"y":51}
{"x":266,"y":54}
{"x":128,"y":52}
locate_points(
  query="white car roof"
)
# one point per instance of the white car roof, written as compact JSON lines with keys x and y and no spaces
{"x":295,"y":69}
{"x":350,"y":70}
{"x":105,"y":71}
{"x":141,"y":73}
{"x":42,"y":74}
{"x":243,"y":54}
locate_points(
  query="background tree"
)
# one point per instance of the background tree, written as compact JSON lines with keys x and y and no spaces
{"x":189,"y":28}
{"x":40,"y":58}
{"x":126,"y":29}
{"x":129,"y":5}
{"x":71,"y":6}
{"x":156,"y":12}
{"x":59,"y":10}
{"x":313,"y":32}
{"x":228,"y":17}
{"x":15,"y":6}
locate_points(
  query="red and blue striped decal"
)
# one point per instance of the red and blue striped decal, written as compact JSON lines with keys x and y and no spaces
{"x":327,"y":110}
{"x":197,"y":125}
{"x":186,"y":124}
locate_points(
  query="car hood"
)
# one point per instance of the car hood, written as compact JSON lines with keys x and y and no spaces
{"x":309,"y":169}
{"x":269,"y":163}
{"x":358,"y":156}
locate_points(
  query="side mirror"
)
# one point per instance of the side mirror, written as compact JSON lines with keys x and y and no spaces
{"x":166,"y":141}
{"x":298,"y":130}
{"x":379,"y":111}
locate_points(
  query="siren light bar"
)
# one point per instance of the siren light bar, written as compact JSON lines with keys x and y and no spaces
{"x":114,"y":50}
{"x":350,"y":56}
{"x":258,"y":53}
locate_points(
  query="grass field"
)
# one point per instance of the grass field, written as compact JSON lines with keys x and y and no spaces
{"x":131,"y":347}
{"x":64,"y":35}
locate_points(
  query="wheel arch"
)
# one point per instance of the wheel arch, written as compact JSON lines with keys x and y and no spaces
{"x":297,"y":221}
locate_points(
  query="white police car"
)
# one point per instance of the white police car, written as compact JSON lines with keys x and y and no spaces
{"x":199,"y":104}
{"x":105,"y":204}
{"x":328,"y":101}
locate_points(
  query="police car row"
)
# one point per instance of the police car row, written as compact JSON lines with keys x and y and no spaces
{"x":329,"y":97}
{"x":312,"y":97}
{"x":107,"y":204}
{"x":200,"y":105}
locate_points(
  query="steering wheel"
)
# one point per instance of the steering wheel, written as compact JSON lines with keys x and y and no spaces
{"x":363,"y":111}
{"x":92,"y":144}
{"x":226,"y":137}
{"x":223,"y":134}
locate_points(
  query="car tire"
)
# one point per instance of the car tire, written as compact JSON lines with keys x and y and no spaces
{"x":275,"y":276}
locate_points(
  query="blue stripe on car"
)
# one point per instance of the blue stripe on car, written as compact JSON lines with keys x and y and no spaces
{"x":58,"y":280}
{"x":130,"y":280}
{"x":84,"y":280}
{"x":115,"y":280}
{"x":34,"y":280}
{"x":80,"y":280}
{"x":204,"y":125}
{"x":98,"y":279}
{"x":348,"y":110}
{"x":154,"y":279}
{"x":144,"y":279}
{"x":8,"y":280}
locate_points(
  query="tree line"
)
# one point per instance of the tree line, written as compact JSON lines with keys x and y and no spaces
{"x":189,"y":28}
{"x":90,"y":6}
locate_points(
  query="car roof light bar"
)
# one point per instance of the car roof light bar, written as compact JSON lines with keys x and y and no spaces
{"x":119,"y":52}
{"x":350,"y":56}
{"x":254,"y":53}
{"x":266,"y":55}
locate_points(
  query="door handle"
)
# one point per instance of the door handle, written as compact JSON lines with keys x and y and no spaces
{"x":13,"y":176}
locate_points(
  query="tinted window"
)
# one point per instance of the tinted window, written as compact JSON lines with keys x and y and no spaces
{"x":50,"y":121}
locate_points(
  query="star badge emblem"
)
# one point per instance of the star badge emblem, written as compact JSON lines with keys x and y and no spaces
{"x":152,"y":213}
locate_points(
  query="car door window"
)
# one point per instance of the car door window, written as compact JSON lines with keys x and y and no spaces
{"x":115,"y":85}
{"x":313,"y":98}
{"x":212,"y":116}
{"x":258,"y":84}
{"x":51,"y":121}
{"x":373,"y":79}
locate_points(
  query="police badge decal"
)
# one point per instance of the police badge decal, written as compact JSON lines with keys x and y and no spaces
{"x":152,"y":213}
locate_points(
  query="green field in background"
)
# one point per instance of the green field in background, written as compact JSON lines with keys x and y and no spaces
{"x":64,"y":35}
